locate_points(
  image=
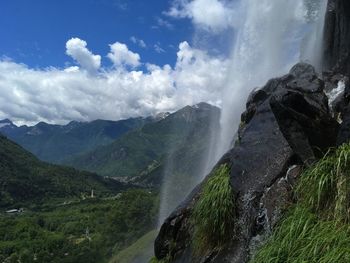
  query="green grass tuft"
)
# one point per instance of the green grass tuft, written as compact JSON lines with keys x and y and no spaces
{"x":213,"y":215}
{"x":325,"y":187}
{"x":153,"y":260}
{"x":303,"y":237}
{"x":317,"y":229}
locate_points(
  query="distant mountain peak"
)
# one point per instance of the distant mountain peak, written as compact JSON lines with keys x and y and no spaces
{"x":73,"y":124}
{"x":56,"y":142}
{"x":161,"y":116}
{"x":202,"y":105}
{"x":6,"y":123}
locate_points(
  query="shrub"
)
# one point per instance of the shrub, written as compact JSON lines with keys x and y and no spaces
{"x":213,"y":215}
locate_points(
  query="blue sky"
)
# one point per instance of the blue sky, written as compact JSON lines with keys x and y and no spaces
{"x":35,"y":32}
{"x":63,"y":60}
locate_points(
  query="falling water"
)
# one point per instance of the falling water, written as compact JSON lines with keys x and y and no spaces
{"x":178,"y":183}
{"x":270,"y":37}
{"x":312,"y":46}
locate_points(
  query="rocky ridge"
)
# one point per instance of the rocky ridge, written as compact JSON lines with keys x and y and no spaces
{"x":288,"y":124}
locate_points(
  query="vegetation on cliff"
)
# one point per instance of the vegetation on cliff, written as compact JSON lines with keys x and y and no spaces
{"x":317,"y":228}
{"x":214,"y":212}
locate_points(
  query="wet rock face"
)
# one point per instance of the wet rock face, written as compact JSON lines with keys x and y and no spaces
{"x":287,"y":124}
{"x":174,"y":236}
{"x":337,"y":88}
{"x":337,"y":36}
{"x":277,"y":198}
{"x":342,"y":110}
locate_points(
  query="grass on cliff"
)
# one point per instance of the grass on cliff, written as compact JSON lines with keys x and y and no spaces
{"x":213,"y":215}
{"x":317,"y":229}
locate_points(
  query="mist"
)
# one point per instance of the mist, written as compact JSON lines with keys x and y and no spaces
{"x":270,"y":36}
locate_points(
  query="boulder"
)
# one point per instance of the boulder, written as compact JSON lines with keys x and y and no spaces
{"x":287,"y":124}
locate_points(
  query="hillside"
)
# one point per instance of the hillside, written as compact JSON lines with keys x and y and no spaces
{"x":61,"y":221}
{"x":86,"y":231}
{"x":26,"y":180}
{"x":54,"y":143}
{"x":143,"y":153}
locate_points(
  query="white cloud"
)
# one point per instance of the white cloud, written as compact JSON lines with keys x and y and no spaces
{"x":76,"y":48}
{"x":72,"y":69}
{"x":138,"y":42}
{"x":60,"y":95}
{"x":164,"y":23}
{"x":120,"y":55}
{"x":214,"y":15}
{"x":158,"y":48}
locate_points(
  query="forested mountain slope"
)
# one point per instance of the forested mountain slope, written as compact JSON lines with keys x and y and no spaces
{"x":55,"y":143}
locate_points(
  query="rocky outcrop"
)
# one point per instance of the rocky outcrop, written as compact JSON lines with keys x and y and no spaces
{"x":287,"y":123}
{"x":337,"y":89}
{"x":337,"y":37}
{"x":336,"y":60}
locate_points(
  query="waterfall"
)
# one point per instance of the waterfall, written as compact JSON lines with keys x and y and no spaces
{"x":178,"y":183}
{"x":312,"y":47}
{"x":270,"y":36}
{"x":273,"y":35}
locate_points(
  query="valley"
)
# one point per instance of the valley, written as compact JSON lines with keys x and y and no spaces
{"x":178,"y":131}
{"x":67,"y":212}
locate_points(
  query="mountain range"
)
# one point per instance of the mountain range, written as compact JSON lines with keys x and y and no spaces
{"x":87,"y":216}
{"x":136,"y":149}
{"x":55,"y":143}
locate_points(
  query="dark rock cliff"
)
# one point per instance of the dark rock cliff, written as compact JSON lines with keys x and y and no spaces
{"x":337,"y":36}
{"x":286,"y":124}
{"x":289,"y":123}
{"x":337,"y":59}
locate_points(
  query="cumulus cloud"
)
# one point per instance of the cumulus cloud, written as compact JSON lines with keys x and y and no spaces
{"x":60,"y":95}
{"x":76,"y":48}
{"x":214,"y":15}
{"x":120,"y":55}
